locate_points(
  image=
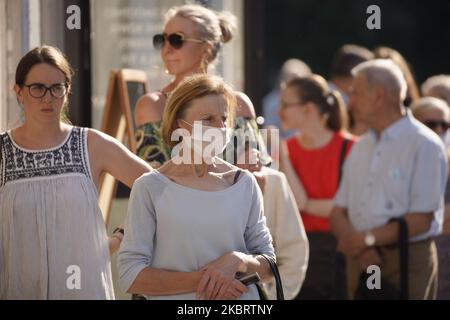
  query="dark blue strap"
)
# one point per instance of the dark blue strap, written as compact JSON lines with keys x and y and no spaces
{"x":403,"y":244}
{"x":342,"y":158}
{"x":236,"y":176}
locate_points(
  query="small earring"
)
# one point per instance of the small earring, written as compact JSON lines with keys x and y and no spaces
{"x":166,"y":71}
{"x":203,"y":66}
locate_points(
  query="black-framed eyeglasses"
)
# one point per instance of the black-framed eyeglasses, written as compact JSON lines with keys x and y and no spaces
{"x":433,"y":124}
{"x":39,"y":90}
{"x":175,"y":40}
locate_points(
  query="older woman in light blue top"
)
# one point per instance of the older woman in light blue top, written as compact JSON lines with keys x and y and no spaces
{"x":197,"y":223}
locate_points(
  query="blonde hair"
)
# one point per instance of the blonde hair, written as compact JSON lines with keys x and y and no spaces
{"x":213,"y":27}
{"x":191,"y":88}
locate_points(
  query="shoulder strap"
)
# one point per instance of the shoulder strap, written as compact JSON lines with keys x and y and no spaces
{"x":236,"y":176}
{"x":2,"y":177}
{"x":1,"y":150}
{"x":403,"y":244}
{"x":276,"y":275}
{"x":342,"y":158}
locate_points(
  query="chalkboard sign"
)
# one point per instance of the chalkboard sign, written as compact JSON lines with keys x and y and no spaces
{"x":125,"y":87}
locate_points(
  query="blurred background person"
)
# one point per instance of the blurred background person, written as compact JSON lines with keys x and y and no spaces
{"x":435,"y":114}
{"x":190,"y":43}
{"x":249,"y":152}
{"x":345,"y":59}
{"x":437,"y":86}
{"x":291,"y":68}
{"x":397,"y":169}
{"x":312,"y":161}
{"x":412,"y":92}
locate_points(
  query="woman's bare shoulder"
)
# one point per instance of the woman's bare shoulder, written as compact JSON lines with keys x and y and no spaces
{"x":150,"y":108}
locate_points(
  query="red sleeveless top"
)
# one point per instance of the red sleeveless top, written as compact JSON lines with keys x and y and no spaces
{"x":318,"y":170}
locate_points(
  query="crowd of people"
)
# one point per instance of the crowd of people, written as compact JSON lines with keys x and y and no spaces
{"x":358,"y":153}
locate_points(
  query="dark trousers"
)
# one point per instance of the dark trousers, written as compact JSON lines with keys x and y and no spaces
{"x":325,"y":278}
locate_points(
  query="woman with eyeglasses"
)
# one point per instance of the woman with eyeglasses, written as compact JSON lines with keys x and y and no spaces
{"x":53,"y":241}
{"x":435,"y":114}
{"x":190,"y":43}
{"x":312,"y":161}
{"x":195,"y":225}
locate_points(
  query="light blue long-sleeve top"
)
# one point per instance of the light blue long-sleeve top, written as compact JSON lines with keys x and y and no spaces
{"x":178,"y":228}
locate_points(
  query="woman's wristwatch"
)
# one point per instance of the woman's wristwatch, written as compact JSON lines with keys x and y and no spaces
{"x":369,"y":239}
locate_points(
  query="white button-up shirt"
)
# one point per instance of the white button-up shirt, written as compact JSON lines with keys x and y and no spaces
{"x":404,"y":171}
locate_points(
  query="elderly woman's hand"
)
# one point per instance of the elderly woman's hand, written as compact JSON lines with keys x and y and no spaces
{"x":218,"y":280}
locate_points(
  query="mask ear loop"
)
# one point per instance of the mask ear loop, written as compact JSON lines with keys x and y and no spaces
{"x":193,"y":166}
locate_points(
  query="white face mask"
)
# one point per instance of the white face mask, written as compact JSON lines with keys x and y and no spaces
{"x":207,"y":141}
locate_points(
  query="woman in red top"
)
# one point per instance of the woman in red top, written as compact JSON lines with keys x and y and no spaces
{"x":312,"y":162}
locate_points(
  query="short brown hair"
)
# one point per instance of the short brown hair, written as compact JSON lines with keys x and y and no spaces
{"x":347,"y":57}
{"x":191,"y":88}
{"x":314,"y":88}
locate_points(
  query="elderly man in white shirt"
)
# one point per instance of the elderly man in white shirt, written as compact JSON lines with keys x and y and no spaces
{"x":397,"y":169}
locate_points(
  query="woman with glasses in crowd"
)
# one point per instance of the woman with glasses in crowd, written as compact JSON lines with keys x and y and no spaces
{"x":312,"y":163}
{"x":435,"y":114}
{"x":53,"y":242}
{"x":196,"y":223}
{"x":190,"y":43}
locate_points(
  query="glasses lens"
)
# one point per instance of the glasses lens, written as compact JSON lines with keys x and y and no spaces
{"x":158,"y":41}
{"x":37,"y":91}
{"x":58,"y":90}
{"x":175,"y":40}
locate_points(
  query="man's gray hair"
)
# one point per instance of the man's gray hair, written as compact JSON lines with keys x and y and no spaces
{"x":426,"y":103}
{"x":383,"y":73}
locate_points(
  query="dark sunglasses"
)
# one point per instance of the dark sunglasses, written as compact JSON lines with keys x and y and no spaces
{"x":39,"y":90}
{"x":175,"y":40}
{"x":433,"y":124}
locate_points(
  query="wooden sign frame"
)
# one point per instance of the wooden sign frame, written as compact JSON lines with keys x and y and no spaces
{"x":118,"y":122}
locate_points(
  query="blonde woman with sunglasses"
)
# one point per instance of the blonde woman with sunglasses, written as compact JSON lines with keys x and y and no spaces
{"x":192,"y":38}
